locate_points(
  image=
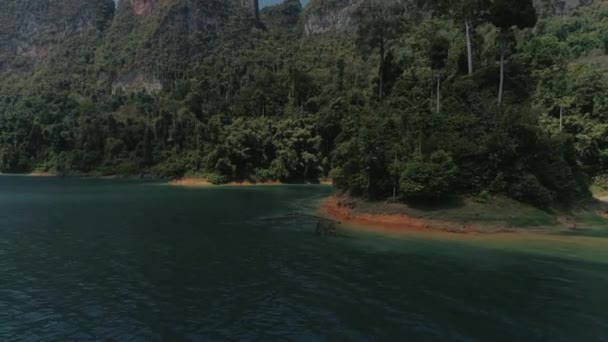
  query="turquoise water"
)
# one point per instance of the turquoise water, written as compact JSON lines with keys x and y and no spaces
{"x":121,"y":260}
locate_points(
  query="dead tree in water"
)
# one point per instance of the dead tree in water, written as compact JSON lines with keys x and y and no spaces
{"x":326,"y":228}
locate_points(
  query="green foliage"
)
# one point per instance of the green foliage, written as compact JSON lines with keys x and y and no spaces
{"x":199,"y":87}
{"x":440,"y":47}
{"x":505,"y":14}
{"x":529,"y":189}
{"x":429,"y":177}
{"x":380,"y":23}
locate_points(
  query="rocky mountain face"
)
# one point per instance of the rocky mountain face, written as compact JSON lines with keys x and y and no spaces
{"x":150,"y":37}
{"x":140,"y":43}
{"x":141,"y":7}
{"x":284,"y":14}
{"x":154,"y":41}
{"x":30,"y":29}
{"x":132,"y":44}
{"x":330,"y":16}
{"x":324,"y":16}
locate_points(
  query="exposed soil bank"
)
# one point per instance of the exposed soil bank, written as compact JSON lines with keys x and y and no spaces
{"x":202,"y":182}
{"x":85,"y":175}
{"x":42,"y":174}
{"x":186,"y":181}
{"x":339,"y":209}
{"x":32,"y":174}
{"x":503,"y":216}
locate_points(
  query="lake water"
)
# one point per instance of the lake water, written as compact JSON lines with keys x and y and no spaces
{"x":121,"y":260}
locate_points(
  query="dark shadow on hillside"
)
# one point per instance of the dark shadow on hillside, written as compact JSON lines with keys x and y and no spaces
{"x":433,"y":205}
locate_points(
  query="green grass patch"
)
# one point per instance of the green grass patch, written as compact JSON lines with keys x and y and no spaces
{"x":591,"y":219}
{"x":488,"y":212}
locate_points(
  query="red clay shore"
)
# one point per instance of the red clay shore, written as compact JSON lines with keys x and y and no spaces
{"x":42,"y":174}
{"x":202,"y":182}
{"x":339,"y":210}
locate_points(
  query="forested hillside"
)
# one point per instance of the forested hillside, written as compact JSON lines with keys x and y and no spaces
{"x":390,"y":99}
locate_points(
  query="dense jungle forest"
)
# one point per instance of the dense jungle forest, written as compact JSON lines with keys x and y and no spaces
{"x":409,"y":100}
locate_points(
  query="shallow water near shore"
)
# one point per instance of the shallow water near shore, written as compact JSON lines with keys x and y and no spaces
{"x":84,"y":259}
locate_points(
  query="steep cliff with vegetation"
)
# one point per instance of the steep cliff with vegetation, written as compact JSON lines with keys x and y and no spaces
{"x":151,"y":42}
{"x":390,"y":99}
{"x":31,"y":30}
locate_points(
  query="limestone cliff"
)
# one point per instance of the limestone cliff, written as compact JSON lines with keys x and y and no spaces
{"x":141,"y":7}
{"x":283,"y":15}
{"x":150,"y":41}
{"x":323,"y":16}
{"x":326,"y":16}
{"x":143,"y":44}
{"x":31,"y":29}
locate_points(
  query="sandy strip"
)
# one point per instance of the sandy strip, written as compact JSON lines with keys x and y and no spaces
{"x":202,"y":182}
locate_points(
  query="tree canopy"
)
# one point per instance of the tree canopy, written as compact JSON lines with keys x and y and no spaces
{"x":201,"y":88}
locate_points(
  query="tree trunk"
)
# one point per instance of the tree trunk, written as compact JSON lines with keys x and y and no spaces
{"x":469,"y":47}
{"x":381,"y":83}
{"x":381,"y":72}
{"x":502,"y":74}
{"x":561,"y":117}
{"x":396,"y":178}
{"x":369,"y":181}
{"x":381,"y":76}
{"x":438,"y":93}
{"x":420,"y":144}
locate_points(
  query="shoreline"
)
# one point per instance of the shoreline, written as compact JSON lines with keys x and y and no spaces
{"x":44,"y":174}
{"x":203,"y":182}
{"x":31,"y":174}
{"x":183,"y":182}
{"x":382,"y":219}
{"x":334,"y":209}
